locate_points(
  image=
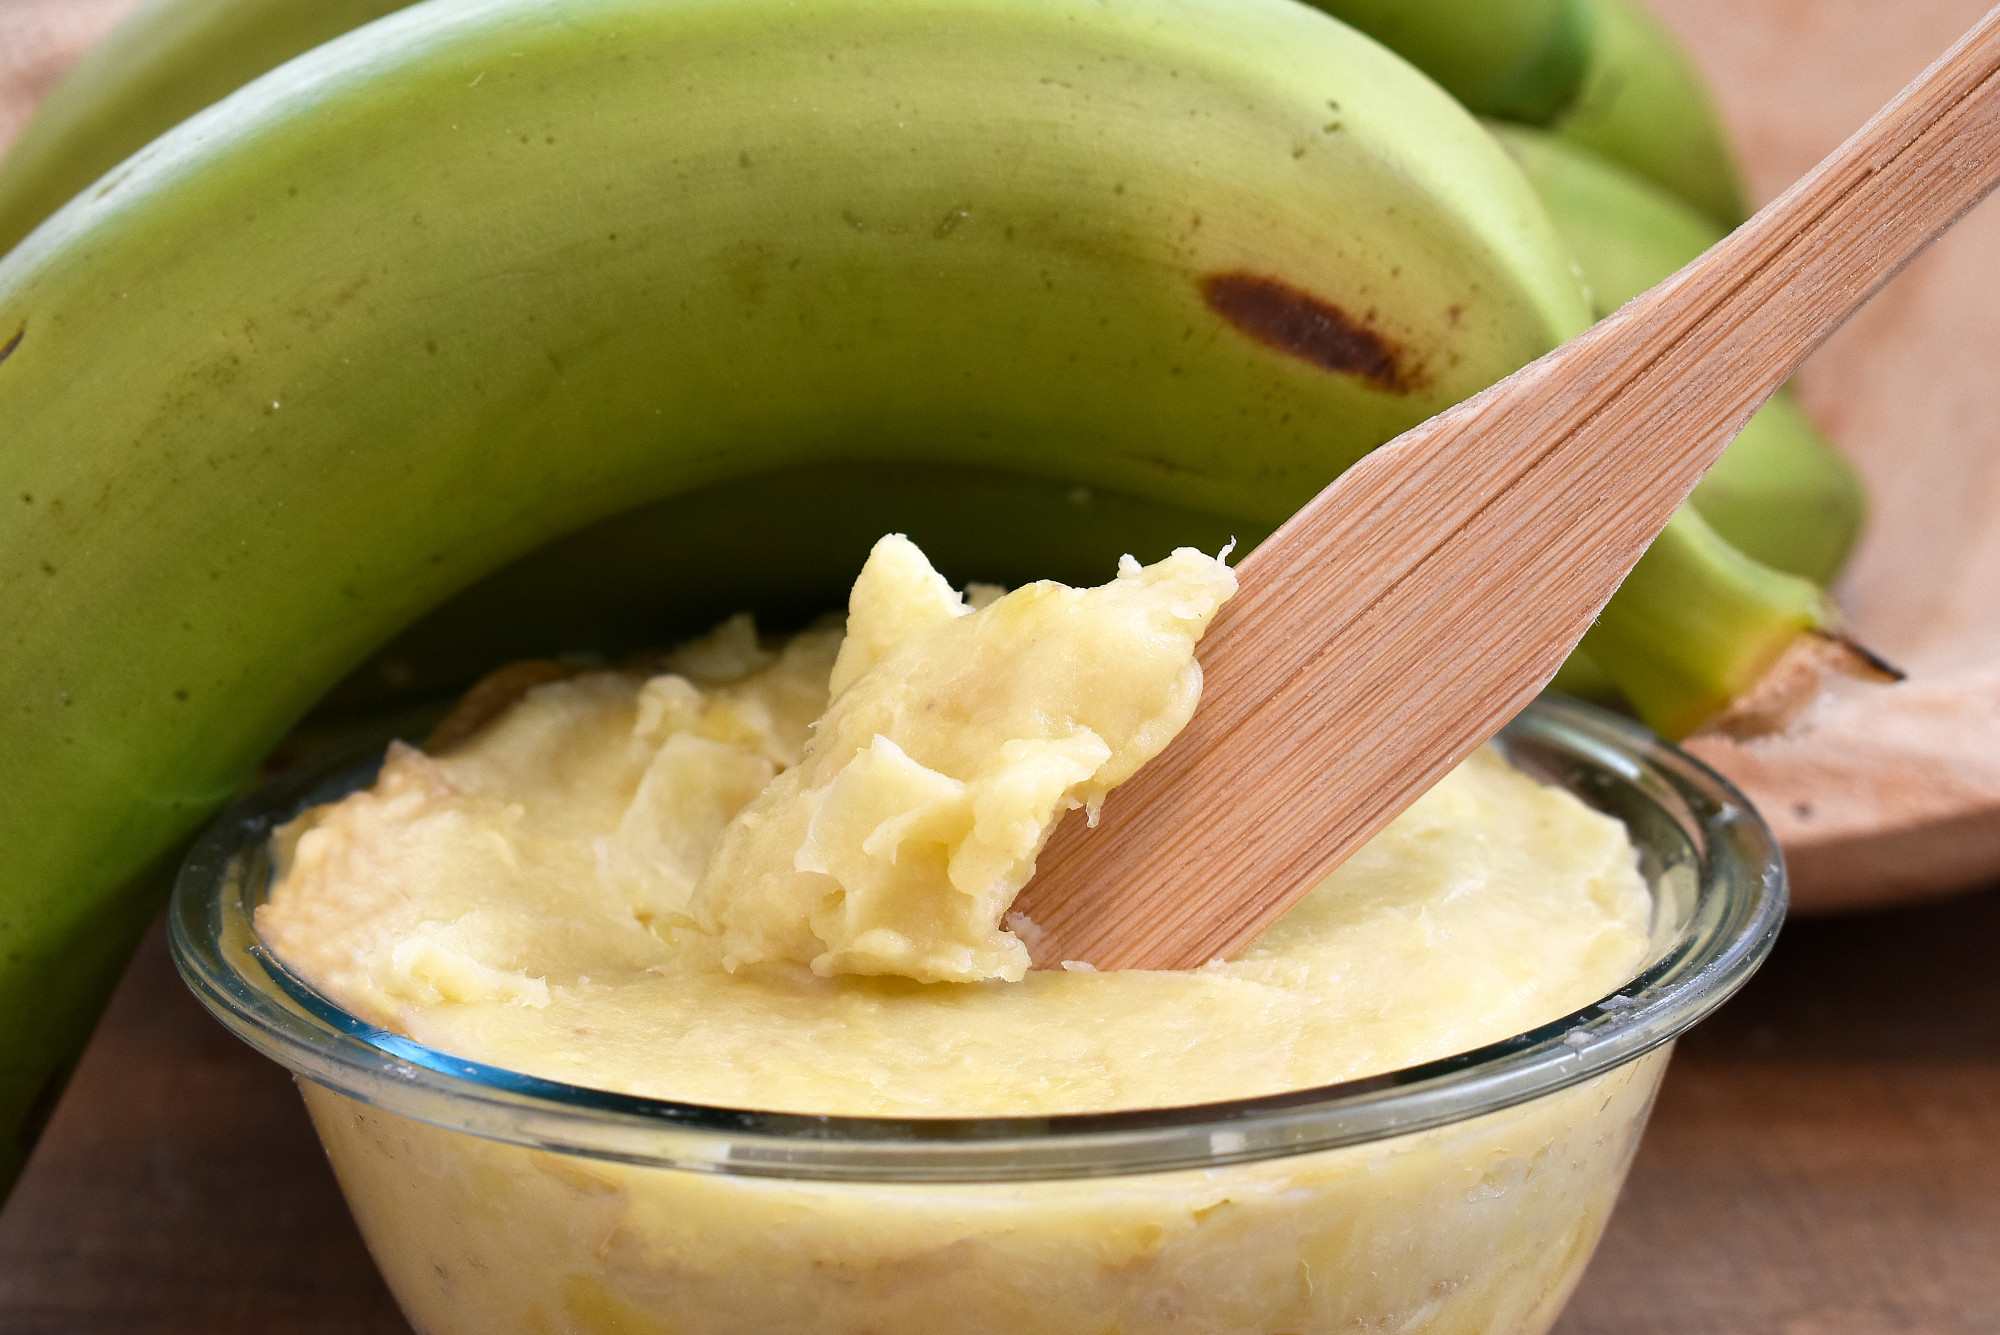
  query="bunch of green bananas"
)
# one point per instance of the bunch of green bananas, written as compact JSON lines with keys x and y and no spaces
{"x":518,"y":325}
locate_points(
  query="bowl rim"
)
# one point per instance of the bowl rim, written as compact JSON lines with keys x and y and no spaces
{"x":1728,"y":919}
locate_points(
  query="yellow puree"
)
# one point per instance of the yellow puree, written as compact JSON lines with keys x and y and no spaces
{"x":683,"y":886}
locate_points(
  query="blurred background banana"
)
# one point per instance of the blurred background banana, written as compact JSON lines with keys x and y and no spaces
{"x":1603,"y":74}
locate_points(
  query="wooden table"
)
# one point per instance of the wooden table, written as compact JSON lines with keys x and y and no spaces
{"x":1824,"y":1160}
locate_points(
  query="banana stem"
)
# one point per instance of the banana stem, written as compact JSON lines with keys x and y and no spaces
{"x":1697,"y":624}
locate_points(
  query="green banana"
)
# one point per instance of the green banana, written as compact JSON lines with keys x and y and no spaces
{"x":1625,"y":233}
{"x":167,"y":61}
{"x":1602,"y":72}
{"x":1605,"y":74}
{"x":1695,"y":626}
{"x":1523,"y":60}
{"x":1644,"y":103}
{"x":1781,"y":493}
{"x":1700,"y":626}
{"x":486,"y":271}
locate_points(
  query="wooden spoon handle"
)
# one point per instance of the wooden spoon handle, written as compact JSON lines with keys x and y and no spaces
{"x":1395,"y":623}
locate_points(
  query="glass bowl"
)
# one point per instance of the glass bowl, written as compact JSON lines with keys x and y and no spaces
{"x":1459,"y":1195}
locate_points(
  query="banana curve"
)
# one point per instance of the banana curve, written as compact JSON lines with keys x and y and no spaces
{"x":1602,"y":72}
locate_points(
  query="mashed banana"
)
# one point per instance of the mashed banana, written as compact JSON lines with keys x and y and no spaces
{"x":682,"y":886}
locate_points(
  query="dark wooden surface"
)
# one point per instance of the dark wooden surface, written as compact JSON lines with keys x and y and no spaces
{"x":1824,"y":1160}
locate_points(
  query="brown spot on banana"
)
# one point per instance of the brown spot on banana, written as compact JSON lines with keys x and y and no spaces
{"x":1296,"y":322}
{"x":7,"y":349}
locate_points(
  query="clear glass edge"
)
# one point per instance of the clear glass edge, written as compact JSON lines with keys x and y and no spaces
{"x":1738,"y":907}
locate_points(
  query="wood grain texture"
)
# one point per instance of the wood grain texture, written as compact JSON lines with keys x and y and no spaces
{"x":180,"y":1188}
{"x":1821,"y":1159}
{"x":1417,"y":603}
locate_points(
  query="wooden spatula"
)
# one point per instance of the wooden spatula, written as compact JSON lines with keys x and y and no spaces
{"x":1395,"y":623}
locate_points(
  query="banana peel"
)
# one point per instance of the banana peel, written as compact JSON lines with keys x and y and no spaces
{"x":1603,"y":73}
